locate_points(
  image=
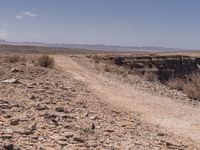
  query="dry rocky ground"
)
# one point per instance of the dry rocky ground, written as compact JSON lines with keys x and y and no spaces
{"x":119,"y":74}
{"x":49,"y":109}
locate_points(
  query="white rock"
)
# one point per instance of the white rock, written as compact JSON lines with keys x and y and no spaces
{"x":10,"y":81}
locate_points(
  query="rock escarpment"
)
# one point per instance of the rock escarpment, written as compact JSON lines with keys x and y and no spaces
{"x":164,"y":66}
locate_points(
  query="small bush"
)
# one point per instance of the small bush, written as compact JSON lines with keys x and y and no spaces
{"x":192,"y":86}
{"x":115,"y":70}
{"x":176,"y":83}
{"x":46,"y":61}
{"x":150,"y":76}
{"x":96,"y":59}
{"x":192,"y":91}
{"x":107,"y":68}
{"x":14,"y":59}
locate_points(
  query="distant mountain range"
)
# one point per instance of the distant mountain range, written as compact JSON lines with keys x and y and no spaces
{"x":98,"y":47}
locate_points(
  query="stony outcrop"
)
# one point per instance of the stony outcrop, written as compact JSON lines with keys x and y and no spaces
{"x":164,"y":66}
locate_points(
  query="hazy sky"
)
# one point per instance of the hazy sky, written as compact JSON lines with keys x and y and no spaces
{"x":169,"y":23}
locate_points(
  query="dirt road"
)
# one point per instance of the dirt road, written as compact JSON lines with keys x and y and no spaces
{"x":178,"y":118}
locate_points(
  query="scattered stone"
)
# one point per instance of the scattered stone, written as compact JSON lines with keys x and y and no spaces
{"x":109,"y":130}
{"x":92,"y":144}
{"x":67,"y":134}
{"x":86,"y":114}
{"x":6,"y":136}
{"x":62,"y":143}
{"x":71,"y":118}
{"x":34,"y":126}
{"x":93,"y":117}
{"x":66,"y":98}
{"x":78,"y":138}
{"x":41,"y":138}
{"x":58,"y":137}
{"x":5,"y":106}
{"x":41,"y":90}
{"x":41,"y":108}
{"x":15,"y":70}
{"x":93,"y":126}
{"x":10,"y":147}
{"x":25,"y":131}
{"x":59,"y":109}
{"x":6,"y":133}
{"x":32,"y":97}
{"x":16,"y":81}
{"x":161,"y":134}
{"x":14,"y":122}
{"x":174,"y":145}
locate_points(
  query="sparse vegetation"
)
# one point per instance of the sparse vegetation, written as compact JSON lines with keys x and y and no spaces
{"x":115,"y":69}
{"x":155,"y":69}
{"x":96,"y":59}
{"x":176,"y":83}
{"x":14,"y":59}
{"x":192,"y":86}
{"x":189,"y":85}
{"x":150,"y":76}
{"x":107,"y":68}
{"x":45,"y":61}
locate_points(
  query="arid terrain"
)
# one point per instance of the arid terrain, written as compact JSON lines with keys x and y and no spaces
{"x":99,"y":75}
{"x":88,"y":102}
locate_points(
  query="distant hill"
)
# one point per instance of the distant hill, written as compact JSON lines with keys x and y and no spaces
{"x":98,"y":47}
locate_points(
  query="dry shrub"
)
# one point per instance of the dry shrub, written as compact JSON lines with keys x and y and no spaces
{"x":192,"y":91}
{"x":150,"y":76}
{"x":33,"y":60}
{"x":107,"y":68}
{"x":176,"y":83}
{"x":14,"y":59}
{"x":96,"y":59}
{"x":46,"y":61}
{"x":192,"y":86}
{"x":115,"y":70}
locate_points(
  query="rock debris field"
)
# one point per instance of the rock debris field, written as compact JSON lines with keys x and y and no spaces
{"x":48,"y":109}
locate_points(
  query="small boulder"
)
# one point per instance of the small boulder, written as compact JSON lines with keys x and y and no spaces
{"x":78,"y":138}
{"x":67,"y":134}
{"x":59,"y":109}
{"x":14,"y":122}
{"x":32,"y":97}
{"x":109,"y":130}
{"x":15,"y":70}
{"x":93,"y":126}
{"x":16,"y":81}
{"x":58,"y":137}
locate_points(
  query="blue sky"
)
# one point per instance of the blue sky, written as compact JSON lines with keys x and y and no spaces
{"x":168,"y":23}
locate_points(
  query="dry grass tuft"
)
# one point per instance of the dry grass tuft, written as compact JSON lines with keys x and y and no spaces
{"x":46,"y":61}
{"x":176,"y":83}
{"x":14,"y":59}
{"x":150,"y":76}
{"x":96,"y":59}
{"x":192,"y":86}
{"x":115,"y":70}
{"x":108,"y":68}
